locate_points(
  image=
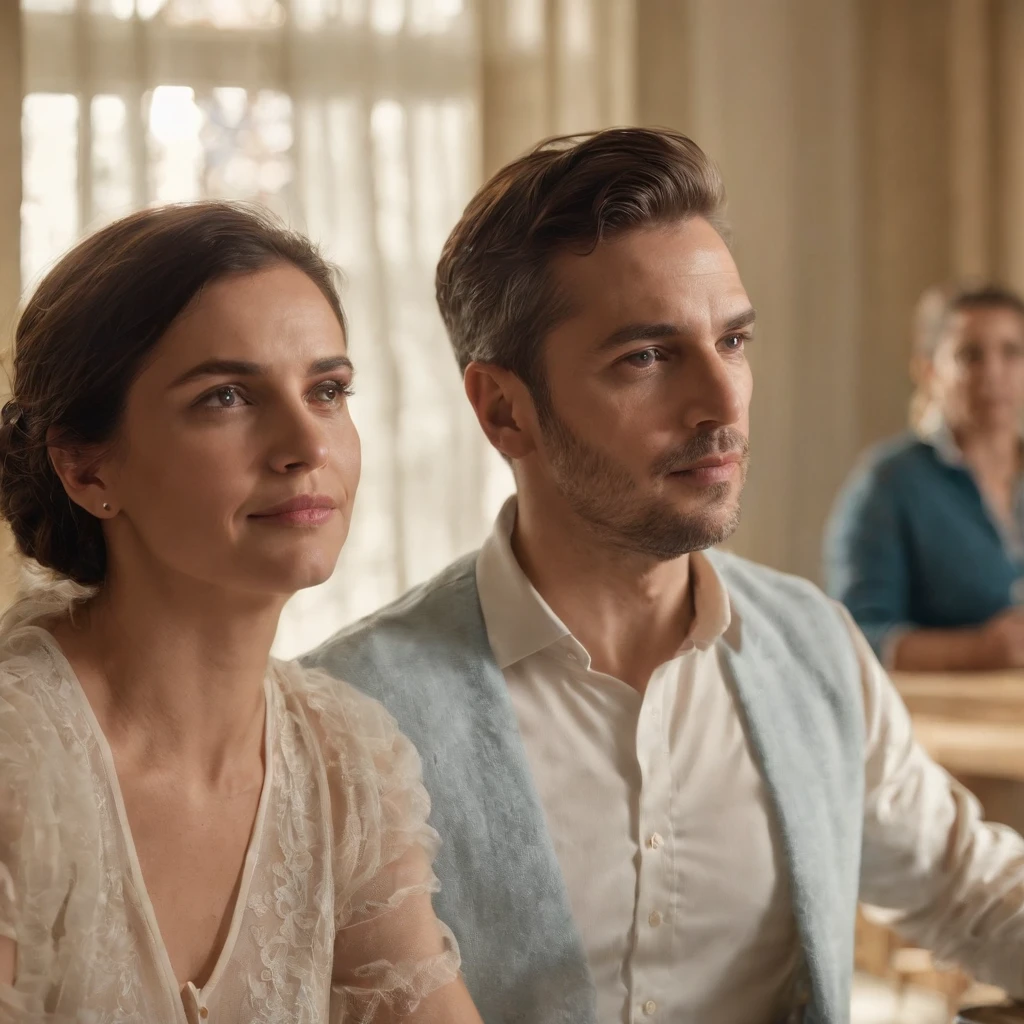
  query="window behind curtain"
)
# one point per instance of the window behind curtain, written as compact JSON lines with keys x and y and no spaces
{"x":355,"y":120}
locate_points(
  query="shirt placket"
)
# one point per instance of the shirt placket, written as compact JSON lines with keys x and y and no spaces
{"x":654,"y":920}
{"x":194,"y":1002}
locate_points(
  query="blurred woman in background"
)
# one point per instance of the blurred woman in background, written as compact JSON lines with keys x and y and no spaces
{"x":188,"y":829}
{"x":926,"y":543}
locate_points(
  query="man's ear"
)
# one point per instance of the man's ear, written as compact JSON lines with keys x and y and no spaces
{"x":82,"y":475}
{"x":503,"y":407}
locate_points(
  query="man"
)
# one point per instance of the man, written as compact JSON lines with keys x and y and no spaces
{"x":654,"y":766}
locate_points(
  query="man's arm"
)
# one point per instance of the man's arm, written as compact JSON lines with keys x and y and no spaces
{"x":954,"y":884}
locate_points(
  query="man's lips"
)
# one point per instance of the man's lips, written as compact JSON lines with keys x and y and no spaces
{"x":711,"y":470}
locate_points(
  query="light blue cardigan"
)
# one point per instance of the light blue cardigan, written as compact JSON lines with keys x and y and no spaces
{"x":427,"y":659}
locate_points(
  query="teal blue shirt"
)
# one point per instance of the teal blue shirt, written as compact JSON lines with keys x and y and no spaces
{"x":912,"y":544}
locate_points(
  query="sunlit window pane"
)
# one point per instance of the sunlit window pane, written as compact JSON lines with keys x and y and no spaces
{"x":442,"y":153}
{"x":49,"y":210}
{"x":524,"y":23}
{"x":49,"y":6}
{"x":120,"y":9}
{"x":174,"y":122}
{"x":247,"y":141}
{"x":111,"y":160}
{"x":579,"y":26}
{"x":391,"y":172}
{"x":434,"y":15}
{"x":335,"y":178}
{"x":225,"y":14}
{"x":388,"y":16}
{"x":356,"y":120}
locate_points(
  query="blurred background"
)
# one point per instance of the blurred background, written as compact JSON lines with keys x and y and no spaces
{"x":870,"y":148}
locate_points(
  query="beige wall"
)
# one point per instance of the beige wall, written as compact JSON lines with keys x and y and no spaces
{"x":770,"y":90}
{"x":870,"y":148}
{"x":10,"y":220}
{"x":10,"y":164}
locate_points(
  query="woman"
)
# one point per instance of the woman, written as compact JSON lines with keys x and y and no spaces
{"x":189,"y":830}
{"x":926,"y":543}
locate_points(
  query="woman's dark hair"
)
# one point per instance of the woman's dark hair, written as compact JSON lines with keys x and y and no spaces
{"x":87,"y":333}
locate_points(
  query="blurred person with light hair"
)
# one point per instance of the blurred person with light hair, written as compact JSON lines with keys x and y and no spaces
{"x":925,"y":545}
{"x":664,"y":775}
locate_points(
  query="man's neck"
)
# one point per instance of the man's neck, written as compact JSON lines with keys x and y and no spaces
{"x":630,"y":611}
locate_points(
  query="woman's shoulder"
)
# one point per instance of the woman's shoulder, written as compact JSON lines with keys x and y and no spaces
{"x":33,"y":686}
{"x":348,"y":723}
{"x":43,"y":763}
{"x":894,"y":462}
{"x":901,"y":451}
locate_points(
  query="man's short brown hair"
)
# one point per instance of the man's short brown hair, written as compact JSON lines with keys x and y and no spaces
{"x":494,"y":288}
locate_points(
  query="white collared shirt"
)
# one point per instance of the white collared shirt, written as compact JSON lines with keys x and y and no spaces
{"x":661,"y":823}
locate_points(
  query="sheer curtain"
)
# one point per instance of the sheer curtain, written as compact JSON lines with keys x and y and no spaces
{"x":362,"y":123}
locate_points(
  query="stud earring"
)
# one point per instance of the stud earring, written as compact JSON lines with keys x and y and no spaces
{"x":106,"y":506}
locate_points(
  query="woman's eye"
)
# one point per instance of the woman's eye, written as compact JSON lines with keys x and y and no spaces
{"x":331,"y":391}
{"x":227,"y":397}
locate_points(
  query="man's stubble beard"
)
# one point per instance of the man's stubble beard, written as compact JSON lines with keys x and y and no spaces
{"x":605,"y":497}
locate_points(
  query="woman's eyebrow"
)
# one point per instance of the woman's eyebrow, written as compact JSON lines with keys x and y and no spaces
{"x":240,"y":368}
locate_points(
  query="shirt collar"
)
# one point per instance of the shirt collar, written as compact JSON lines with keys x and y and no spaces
{"x":520,"y":623}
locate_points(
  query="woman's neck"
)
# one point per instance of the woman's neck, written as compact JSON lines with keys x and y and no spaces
{"x":174,"y":668}
{"x":995,"y":452}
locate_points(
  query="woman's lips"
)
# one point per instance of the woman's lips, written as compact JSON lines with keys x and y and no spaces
{"x":303,"y":510}
{"x":299,"y":517}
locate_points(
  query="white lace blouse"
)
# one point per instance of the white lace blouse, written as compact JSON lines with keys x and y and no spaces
{"x":340,"y":842}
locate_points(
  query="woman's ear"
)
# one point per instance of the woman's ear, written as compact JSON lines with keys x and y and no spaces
{"x":82,"y":474}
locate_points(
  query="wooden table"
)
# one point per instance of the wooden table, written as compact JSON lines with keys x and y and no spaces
{"x":971,"y":723}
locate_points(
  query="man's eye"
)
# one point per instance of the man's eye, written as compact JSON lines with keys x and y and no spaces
{"x":645,"y":358}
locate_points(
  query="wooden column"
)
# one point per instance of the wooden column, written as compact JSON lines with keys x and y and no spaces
{"x":907,"y":188}
{"x":972,"y":178}
{"x":1010,"y":142}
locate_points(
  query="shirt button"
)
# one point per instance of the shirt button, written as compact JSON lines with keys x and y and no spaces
{"x":656,"y":841}
{"x":654,"y":919}
{"x":204,"y":1012}
{"x":650,"y":1007}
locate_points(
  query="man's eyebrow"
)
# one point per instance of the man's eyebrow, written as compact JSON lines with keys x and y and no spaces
{"x":639,"y":332}
{"x":741,"y":320}
{"x":665,"y":329}
{"x":241,"y":368}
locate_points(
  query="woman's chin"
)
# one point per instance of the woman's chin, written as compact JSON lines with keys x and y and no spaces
{"x":311,"y":573}
{"x":288,"y":576}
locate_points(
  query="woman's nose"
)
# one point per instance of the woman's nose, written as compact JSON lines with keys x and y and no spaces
{"x":298,"y":444}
